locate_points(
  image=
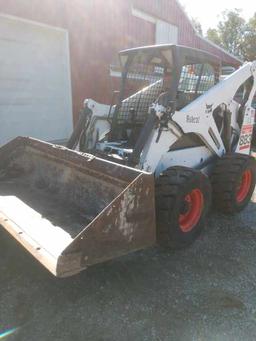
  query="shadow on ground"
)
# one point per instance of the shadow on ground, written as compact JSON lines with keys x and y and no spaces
{"x":207,"y":292}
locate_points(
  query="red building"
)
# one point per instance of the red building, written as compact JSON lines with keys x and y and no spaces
{"x":98,"y":29}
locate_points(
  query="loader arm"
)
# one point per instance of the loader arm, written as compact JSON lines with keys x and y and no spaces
{"x":198,"y":118}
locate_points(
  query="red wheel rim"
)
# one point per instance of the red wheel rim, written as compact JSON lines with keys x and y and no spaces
{"x":244,"y":186}
{"x":194,"y":202}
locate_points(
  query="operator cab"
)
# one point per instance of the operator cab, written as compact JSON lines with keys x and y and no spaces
{"x":168,"y":77}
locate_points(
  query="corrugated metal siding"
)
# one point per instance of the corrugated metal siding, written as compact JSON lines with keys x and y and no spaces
{"x":98,"y":29}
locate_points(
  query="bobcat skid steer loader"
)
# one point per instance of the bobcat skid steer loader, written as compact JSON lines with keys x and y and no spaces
{"x":176,"y":139}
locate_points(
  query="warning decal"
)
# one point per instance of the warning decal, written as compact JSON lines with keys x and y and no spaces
{"x":246,"y":136}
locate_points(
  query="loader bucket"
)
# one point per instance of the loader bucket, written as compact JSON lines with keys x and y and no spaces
{"x":71,"y":210}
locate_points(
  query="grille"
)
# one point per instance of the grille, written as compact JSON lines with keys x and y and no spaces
{"x":195,"y":80}
{"x":144,"y":83}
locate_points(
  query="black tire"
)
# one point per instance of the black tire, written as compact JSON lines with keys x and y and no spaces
{"x":233,"y":182}
{"x":253,"y":142}
{"x":173,"y":188}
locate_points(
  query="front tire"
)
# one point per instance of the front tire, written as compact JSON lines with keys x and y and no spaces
{"x":233,"y":182}
{"x":183,"y":198}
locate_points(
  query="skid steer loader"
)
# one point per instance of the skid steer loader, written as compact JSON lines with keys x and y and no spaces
{"x":176,"y":139}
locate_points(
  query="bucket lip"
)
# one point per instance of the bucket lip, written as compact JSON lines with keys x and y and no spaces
{"x":48,"y":260}
{"x":58,"y":266}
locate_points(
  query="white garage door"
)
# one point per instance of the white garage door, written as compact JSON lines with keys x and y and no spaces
{"x":35,"y":89}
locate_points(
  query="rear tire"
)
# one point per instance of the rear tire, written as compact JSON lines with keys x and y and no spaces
{"x":183,"y":198}
{"x":233,"y":182}
{"x":253,"y":141}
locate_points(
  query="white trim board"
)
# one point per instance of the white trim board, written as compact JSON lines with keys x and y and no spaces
{"x":143,"y":15}
{"x":12,"y":17}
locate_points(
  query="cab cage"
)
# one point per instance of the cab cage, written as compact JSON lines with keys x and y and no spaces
{"x":172,"y":57}
{"x":143,"y":79}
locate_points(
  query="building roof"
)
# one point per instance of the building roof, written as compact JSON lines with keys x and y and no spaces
{"x":205,"y":40}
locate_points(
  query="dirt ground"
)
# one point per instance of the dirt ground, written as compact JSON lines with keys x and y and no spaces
{"x":207,"y":292}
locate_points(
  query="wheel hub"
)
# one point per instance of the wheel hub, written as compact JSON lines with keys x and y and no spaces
{"x":244,"y":186}
{"x":191,"y":210}
{"x":186,"y":206}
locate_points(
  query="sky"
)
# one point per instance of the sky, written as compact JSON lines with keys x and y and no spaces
{"x":208,"y":13}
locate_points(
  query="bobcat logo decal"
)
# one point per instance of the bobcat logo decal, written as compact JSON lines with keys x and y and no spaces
{"x":208,"y":109}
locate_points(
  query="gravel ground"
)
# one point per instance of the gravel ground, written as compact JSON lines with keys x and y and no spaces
{"x":206,"y":292}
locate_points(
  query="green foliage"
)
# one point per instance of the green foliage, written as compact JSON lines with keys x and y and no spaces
{"x":235,"y":35}
{"x":231,"y":30}
{"x":249,"y":47}
{"x":213,"y":35}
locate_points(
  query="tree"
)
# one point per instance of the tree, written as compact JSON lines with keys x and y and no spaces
{"x":235,"y":35}
{"x":249,"y":44}
{"x":230,"y":32}
{"x":213,"y":35}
